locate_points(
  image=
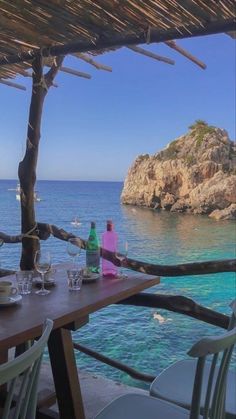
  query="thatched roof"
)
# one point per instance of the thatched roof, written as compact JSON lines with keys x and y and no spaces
{"x":67,"y":26}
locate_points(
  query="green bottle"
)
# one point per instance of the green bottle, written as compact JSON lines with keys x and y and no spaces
{"x":93,"y":250}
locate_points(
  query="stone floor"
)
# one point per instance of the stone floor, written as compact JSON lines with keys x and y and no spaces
{"x":97,"y":391}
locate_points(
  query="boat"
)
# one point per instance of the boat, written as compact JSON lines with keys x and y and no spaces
{"x":36,"y":197}
{"x":76,"y":222}
{"x":17,"y":192}
{"x":17,"y":189}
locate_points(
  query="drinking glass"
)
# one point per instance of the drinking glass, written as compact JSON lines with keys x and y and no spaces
{"x":121,"y":254}
{"x":24,"y":282}
{"x":74,"y":279}
{"x":73,"y":249}
{"x":42,"y":263}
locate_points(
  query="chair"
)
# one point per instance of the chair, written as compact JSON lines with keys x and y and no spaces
{"x":167,"y":385}
{"x":21,"y":375}
{"x":134,"y":406}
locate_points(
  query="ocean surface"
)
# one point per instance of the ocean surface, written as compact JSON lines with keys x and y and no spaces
{"x":146,"y":339}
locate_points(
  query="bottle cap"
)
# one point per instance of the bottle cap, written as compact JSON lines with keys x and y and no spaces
{"x":93,"y":224}
{"x":109,"y":225}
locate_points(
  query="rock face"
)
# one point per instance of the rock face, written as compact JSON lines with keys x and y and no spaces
{"x":226,"y":214}
{"x":195,"y":173}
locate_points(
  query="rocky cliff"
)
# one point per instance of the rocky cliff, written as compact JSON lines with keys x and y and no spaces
{"x":195,"y":173}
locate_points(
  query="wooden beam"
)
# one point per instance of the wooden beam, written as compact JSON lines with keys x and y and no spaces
{"x":24,"y":72}
{"x":150,"y":36}
{"x":182,"y":51}
{"x":113,"y":363}
{"x":89,"y":60}
{"x":75,"y":72}
{"x":232,"y":34}
{"x":178,"y":304}
{"x":151,"y":55}
{"x":43,"y":231}
{"x":27,"y":167}
{"x":11,"y":84}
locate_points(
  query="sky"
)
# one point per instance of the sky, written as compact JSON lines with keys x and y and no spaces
{"x":94,"y":129}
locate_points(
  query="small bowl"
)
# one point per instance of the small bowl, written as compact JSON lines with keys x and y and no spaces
{"x":88,"y":276}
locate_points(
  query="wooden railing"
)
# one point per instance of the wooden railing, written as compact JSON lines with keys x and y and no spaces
{"x":43,"y":231}
{"x":174,"y":303}
{"x":177,"y":304}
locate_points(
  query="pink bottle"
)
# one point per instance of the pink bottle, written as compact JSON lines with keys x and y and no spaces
{"x":109,"y":242}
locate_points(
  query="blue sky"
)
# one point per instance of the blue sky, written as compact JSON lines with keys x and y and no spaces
{"x":94,"y":129}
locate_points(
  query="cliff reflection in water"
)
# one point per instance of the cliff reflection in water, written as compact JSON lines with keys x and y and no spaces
{"x":171,"y":238}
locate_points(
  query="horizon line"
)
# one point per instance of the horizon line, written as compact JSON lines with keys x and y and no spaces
{"x":65,"y":180}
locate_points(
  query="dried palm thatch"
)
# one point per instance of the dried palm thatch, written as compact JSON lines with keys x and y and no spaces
{"x":73,"y":26}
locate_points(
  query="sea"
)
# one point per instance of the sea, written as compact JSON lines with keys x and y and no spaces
{"x":146,"y":339}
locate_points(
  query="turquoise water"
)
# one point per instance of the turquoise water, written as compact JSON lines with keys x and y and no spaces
{"x":132,"y":334}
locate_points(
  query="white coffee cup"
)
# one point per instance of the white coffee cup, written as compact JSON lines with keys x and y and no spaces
{"x":7,"y":290}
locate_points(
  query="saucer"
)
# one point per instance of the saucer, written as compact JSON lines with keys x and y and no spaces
{"x":92,"y":277}
{"x":11,"y":300}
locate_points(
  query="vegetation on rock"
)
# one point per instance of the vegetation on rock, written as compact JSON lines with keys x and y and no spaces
{"x":201,"y":129}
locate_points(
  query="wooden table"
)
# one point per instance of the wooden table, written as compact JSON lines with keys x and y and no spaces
{"x":70,"y":311}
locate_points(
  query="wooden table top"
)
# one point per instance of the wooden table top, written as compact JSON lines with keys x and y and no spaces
{"x":23,"y":321}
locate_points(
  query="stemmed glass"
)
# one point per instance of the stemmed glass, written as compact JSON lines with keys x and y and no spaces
{"x":42,"y":263}
{"x":121,"y":254}
{"x":73,"y":249}
{"x":1,"y":243}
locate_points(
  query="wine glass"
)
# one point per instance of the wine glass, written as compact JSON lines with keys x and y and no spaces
{"x":73,"y":249}
{"x":1,"y":243}
{"x":121,"y":254}
{"x":42,"y":263}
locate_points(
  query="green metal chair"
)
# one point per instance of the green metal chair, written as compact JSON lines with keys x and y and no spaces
{"x":135,"y":406}
{"x":21,"y":375}
{"x":176,"y":382}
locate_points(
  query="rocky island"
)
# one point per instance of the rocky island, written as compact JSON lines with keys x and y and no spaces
{"x":196,"y":173}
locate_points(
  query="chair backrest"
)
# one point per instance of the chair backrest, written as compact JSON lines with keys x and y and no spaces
{"x":21,"y":375}
{"x":232,"y":321}
{"x":220,"y":348}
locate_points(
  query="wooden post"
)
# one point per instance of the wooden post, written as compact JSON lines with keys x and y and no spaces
{"x":27,"y":167}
